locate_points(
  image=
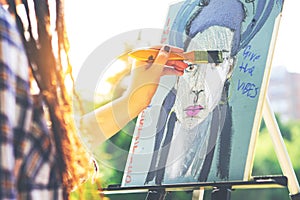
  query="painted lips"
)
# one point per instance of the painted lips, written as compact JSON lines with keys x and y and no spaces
{"x":192,"y":111}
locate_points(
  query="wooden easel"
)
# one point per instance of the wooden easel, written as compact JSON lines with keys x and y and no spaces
{"x":281,"y":151}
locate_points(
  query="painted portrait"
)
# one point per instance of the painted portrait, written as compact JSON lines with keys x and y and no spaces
{"x":195,"y":129}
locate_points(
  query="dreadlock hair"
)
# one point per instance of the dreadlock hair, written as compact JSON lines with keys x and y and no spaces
{"x":49,"y":75}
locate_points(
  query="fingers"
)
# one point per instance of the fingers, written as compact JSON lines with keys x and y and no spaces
{"x":178,"y":65}
{"x":174,"y":68}
{"x":161,"y":59}
{"x":139,"y":64}
{"x":173,"y":49}
{"x":158,"y":65}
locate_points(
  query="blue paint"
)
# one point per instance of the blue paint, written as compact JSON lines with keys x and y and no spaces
{"x":250,"y":55}
{"x":248,"y":89}
{"x":258,"y":12}
{"x":248,"y":64}
{"x":180,"y":21}
{"x":257,"y":22}
{"x":246,"y":69}
{"x":159,"y":136}
{"x":225,"y":13}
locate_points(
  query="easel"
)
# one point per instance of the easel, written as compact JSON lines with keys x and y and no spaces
{"x":222,"y":190}
{"x":281,"y":151}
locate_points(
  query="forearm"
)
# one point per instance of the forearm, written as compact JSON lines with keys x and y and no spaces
{"x":104,"y":122}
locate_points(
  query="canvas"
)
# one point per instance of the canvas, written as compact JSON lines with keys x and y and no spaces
{"x":198,"y":127}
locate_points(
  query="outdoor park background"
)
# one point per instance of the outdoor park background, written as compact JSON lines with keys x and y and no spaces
{"x":97,"y":21}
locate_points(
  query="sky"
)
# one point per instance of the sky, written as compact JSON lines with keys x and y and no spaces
{"x":95,"y":21}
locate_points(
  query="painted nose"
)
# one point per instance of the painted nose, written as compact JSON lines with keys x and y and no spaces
{"x":197,"y":92}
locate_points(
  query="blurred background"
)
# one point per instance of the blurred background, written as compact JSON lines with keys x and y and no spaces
{"x":92,"y":22}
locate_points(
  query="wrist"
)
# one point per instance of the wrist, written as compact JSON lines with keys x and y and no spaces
{"x":135,"y":104}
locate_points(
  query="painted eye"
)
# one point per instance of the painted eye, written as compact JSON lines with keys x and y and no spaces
{"x":191,"y":68}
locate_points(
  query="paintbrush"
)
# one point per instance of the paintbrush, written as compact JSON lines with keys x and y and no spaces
{"x":211,"y":56}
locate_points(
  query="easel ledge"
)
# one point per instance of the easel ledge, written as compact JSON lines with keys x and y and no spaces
{"x":256,"y":182}
{"x":219,"y":189}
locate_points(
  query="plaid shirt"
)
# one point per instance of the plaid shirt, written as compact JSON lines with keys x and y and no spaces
{"x":27,"y":157}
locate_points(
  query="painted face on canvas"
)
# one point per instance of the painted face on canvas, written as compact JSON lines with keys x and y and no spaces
{"x":200,"y":88}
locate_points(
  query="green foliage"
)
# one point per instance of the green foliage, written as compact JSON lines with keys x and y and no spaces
{"x":89,"y":190}
{"x":285,"y":128}
{"x":113,"y":156}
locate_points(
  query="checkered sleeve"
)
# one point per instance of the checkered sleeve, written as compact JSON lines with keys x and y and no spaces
{"x":14,"y":100}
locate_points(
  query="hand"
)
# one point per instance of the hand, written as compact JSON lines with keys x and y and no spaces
{"x":107,"y":120}
{"x":173,"y":67}
{"x":145,"y":77}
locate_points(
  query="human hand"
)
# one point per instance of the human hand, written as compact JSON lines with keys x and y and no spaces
{"x":145,"y":77}
{"x":172,"y":67}
{"x":107,"y":120}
